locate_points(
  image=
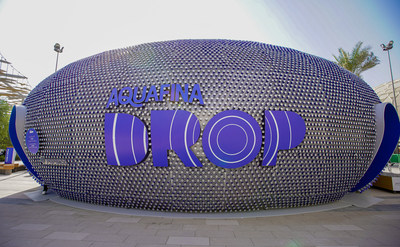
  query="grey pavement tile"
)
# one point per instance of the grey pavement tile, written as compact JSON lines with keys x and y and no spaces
{"x":378,"y":228}
{"x":9,"y":221}
{"x":280,"y":220}
{"x":357,"y":220}
{"x":134,"y":231}
{"x":358,"y":241}
{"x":31,"y":227}
{"x":67,"y":235}
{"x":5,"y":238}
{"x":24,"y":233}
{"x":331,"y":234}
{"x":63,"y":219}
{"x":386,"y":239}
{"x":158,"y":245}
{"x":131,"y":228}
{"x":390,"y":224}
{"x":108,"y":244}
{"x":68,"y":243}
{"x":12,"y":211}
{"x":85,"y":212}
{"x":31,"y":220}
{"x":62,"y":216}
{"x":395,"y":217}
{"x":94,"y":219}
{"x":273,"y":228}
{"x":377,"y":234}
{"x":189,"y":221}
{"x":237,"y":228}
{"x":147,"y":239}
{"x":253,"y":234}
{"x":199,"y":245}
{"x":322,"y":242}
{"x":382,"y":226}
{"x":343,"y":227}
{"x":266,"y":242}
{"x":308,"y":228}
{"x":61,"y":212}
{"x":212,"y":233}
{"x":113,"y":238}
{"x":339,"y":246}
{"x":99,"y":227}
{"x":166,"y":226}
{"x":200,"y":227}
{"x":22,"y":242}
{"x":178,"y":233}
{"x":66,"y":228}
{"x":322,"y":216}
{"x":124,"y":219}
{"x":156,"y":220}
{"x":293,"y":234}
{"x":203,"y":241}
{"x":222,"y":222}
{"x":231,"y":241}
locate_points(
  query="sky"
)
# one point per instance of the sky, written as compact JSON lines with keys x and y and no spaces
{"x":30,"y":28}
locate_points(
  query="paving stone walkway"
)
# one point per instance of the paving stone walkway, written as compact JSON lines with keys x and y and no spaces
{"x":24,"y":222}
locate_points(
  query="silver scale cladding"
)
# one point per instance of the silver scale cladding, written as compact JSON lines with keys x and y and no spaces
{"x":67,"y":109}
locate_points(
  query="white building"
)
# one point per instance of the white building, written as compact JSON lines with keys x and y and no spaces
{"x":385,"y":92}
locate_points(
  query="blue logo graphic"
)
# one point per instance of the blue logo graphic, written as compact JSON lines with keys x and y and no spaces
{"x":232,"y":139}
{"x":126,"y":139}
{"x":283,"y":130}
{"x":32,"y":141}
{"x":127,"y":95}
{"x":174,"y":130}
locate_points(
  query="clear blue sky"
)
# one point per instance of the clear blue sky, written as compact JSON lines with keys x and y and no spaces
{"x":30,"y":28}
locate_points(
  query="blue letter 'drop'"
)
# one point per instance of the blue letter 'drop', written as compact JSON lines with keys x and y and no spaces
{"x":174,"y":130}
{"x":232,"y":139}
{"x":126,"y":139}
{"x":283,"y":130}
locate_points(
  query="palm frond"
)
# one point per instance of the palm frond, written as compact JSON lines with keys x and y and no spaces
{"x":360,"y":59}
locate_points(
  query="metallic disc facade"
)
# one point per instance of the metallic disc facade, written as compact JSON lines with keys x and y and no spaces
{"x":68,"y":111}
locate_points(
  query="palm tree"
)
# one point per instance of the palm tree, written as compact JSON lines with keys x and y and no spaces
{"x":360,"y":59}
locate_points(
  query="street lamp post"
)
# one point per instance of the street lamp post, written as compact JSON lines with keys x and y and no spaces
{"x":58,"y":49}
{"x":387,"y":48}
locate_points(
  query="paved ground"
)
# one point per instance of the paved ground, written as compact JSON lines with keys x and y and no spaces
{"x":24,"y":222}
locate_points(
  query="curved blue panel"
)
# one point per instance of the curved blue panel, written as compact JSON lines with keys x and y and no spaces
{"x":388,"y":132}
{"x":126,"y":139}
{"x":283,"y":130}
{"x":176,"y":130}
{"x":12,"y":129}
{"x":232,"y":139}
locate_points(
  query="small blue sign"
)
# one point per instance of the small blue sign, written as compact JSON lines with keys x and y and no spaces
{"x":10,"y":156}
{"x":32,"y":141}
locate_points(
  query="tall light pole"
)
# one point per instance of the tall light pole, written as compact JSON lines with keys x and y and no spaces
{"x":58,"y":49}
{"x":387,"y":48}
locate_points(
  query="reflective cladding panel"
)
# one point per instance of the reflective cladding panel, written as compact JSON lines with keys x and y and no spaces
{"x":68,"y":111}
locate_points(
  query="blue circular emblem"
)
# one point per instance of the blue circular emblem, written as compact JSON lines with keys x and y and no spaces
{"x":32,"y":141}
{"x":232,"y":139}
